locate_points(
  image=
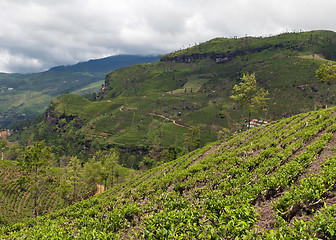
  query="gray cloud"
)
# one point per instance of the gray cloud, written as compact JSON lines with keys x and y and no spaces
{"x":38,"y":34}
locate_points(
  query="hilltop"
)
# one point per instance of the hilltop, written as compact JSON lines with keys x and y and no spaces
{"x":153,"y":106}
{"x":24,"y":96}
{"x":275,"y":181}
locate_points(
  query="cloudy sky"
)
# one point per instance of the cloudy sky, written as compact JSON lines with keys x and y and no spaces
{"x":38,"y":34}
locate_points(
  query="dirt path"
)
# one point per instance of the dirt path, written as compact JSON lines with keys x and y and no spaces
{"x":171,"y":120}
{"x":157,"y":115}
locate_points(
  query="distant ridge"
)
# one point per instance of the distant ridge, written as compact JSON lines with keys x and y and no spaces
{"x":107,"y":64}
{"x":31,"y":93}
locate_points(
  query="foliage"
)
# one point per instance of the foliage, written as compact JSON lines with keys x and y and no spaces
{"x":192,"y":139}
{"x":3,"y":145}
{"x":326,"y":73}
{"x":247,"y":93}
{"x":34,"y":160}
{"x":218,"y":191}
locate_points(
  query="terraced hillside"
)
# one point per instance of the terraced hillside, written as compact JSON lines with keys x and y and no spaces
{"x":154,"y":104}
{"x":17,"y":202}
{"x":276,"y":181}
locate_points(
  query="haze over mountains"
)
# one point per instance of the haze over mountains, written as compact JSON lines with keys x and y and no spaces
{"x":28,"y":95}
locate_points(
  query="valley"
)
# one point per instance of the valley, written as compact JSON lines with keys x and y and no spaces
{"x":163,"y":151}
{"x":26,"y":96}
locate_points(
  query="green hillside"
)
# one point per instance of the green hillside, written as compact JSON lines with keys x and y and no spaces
{"x":17,"y":196}
{"x":33,"y":182}
{"x":276,"y":181}
{"x":154,"y":105}
{"x":25,"y":96}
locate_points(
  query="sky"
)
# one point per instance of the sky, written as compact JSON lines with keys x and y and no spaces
{"x":36,"y":35}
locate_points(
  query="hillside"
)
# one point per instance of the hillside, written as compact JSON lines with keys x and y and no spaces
{"x":28,"y":95}
{"x":275,"y":181}
{"x":154,"y":105}
{"x":17,"y":195}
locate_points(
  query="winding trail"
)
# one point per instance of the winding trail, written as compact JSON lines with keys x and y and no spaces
{"x":171,"y":120}
{"x":157,"y":115}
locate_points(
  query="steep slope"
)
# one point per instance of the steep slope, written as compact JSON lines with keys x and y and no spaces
{"x":27,"y":95}
{"x":274,"y":182}
{"x":192,"y":87}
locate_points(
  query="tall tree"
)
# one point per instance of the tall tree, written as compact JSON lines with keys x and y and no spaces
{"x":102,"y":168}
{"x":192,"y":138}
{"x":326,"y":73}
{"x":3,"y":145}
{"x":108,"y":167}
{"x":74,"y":171}
{"x":249,"y":94}
{"x":91,"y":172}
{"x":33,"y":162}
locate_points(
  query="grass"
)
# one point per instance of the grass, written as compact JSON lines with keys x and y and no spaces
{"x":91,"y":88}
{"x":193,"y":84}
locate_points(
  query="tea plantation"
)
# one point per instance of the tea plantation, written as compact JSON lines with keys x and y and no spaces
{"x":272,"y":182}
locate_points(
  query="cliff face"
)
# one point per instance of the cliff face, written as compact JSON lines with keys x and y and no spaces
{"x":219,"y":58}
{"x":52,"y":119}
{"x":226,"y":56}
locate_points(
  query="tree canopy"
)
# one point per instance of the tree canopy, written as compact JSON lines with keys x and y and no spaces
{"x":249,"y":94}
{"x":326,"y":73}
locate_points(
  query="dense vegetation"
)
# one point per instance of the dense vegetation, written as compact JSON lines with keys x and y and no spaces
{"x":151,"y":107}
{"x":28,"y":95}
{"x":275,"y":181}
{"x":33,"y":182}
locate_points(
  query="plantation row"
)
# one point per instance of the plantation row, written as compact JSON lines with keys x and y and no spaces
{"x":216,"y":192}
{"x":16,"y":202}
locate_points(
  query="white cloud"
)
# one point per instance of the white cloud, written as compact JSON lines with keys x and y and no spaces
{"x":39,"y":34}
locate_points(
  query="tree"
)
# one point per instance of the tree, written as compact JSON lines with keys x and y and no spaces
{"x":74,"y":171}
{"x":33,"y":162}
{"x":192,"y":138}
{"x":102,"y":168}
{"x":223,"y":133}
{"x":109,"y":167}
{"x":3,"y":145}
{"x":248,"y":94}
{"x":326,"y":73}
{"x":91,"y":172}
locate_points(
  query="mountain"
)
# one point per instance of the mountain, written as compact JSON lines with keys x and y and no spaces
{"x":28,"y":95}
{"x":105,"y":65}
{"x":153,"y":107}
{"x":276,"y":181}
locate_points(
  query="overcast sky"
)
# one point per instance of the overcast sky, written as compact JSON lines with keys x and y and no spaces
{"x":36,"y":35}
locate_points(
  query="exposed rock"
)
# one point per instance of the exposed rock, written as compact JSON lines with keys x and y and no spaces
{"x":52,"y":119}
